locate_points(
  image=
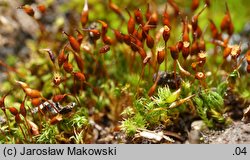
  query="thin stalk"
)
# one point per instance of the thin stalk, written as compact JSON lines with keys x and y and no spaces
{"x":166,"y":57}
{"x":141,"y":76}
{"x":25,"y":138}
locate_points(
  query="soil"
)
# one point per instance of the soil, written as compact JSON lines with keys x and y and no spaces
{"x":237,"y":133}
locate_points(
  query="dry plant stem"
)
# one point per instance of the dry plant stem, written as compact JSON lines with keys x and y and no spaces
{"x":181,"y":101}
{"x":186,"y":73}
{"x":173,"y":134}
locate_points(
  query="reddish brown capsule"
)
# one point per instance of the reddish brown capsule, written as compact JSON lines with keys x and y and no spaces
{"x":139,"y":35}
{"x":32,"y":93}
{"x":131,"y":23}
{"x":215,"y":32}
{"x":140,"y":50}
{"x":166,"y":18}
{"x":85,"y":14}
{"x":166,"y":33}
{"x":197,"y":33}
{"x":67,"y":67}
{"x":79,"y":37}
{"x":135,"y":43}
{"x":142,"y":53}
{"x":13,"y":110}
{"x":226,"y":23}
{"x":200,"y":76}
{"x":73,"y":42}
{"x":194,"y":21}
{"x":185,"y":49}
{"x":118,"y":35}
{"x":79,"y":61}
{"x":36,"y":101}
{"x":248,"y":57}
{"x":248,"y":68}
{"x":107,"y":40}
{"x":174,"y":52}
{"x":127,"y":39}
{"x":41,"y":8}
{"x":151,"y":17}
{"x":59,"y":97}
{"x":93,"y":33}
{"x":180,"y":45}
{"x":160,"y":56}
{"x":2,"y":105}
{"x":104,"y":27}
{"x":149,"y":41}
{"x":202,"y":44}
{"x":226,"y":52}
{"x":185,"y":36}
{"x":79,"y":76}
{"x":194,"y":48}
{"x":18,"y":118}
{"x":61,"y":57}
{"x":138,"y":16}
{"x":195,"y":4}
{"x":104,"y":49}
{"x":22,"y":109}
{"x":230,"y":29}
